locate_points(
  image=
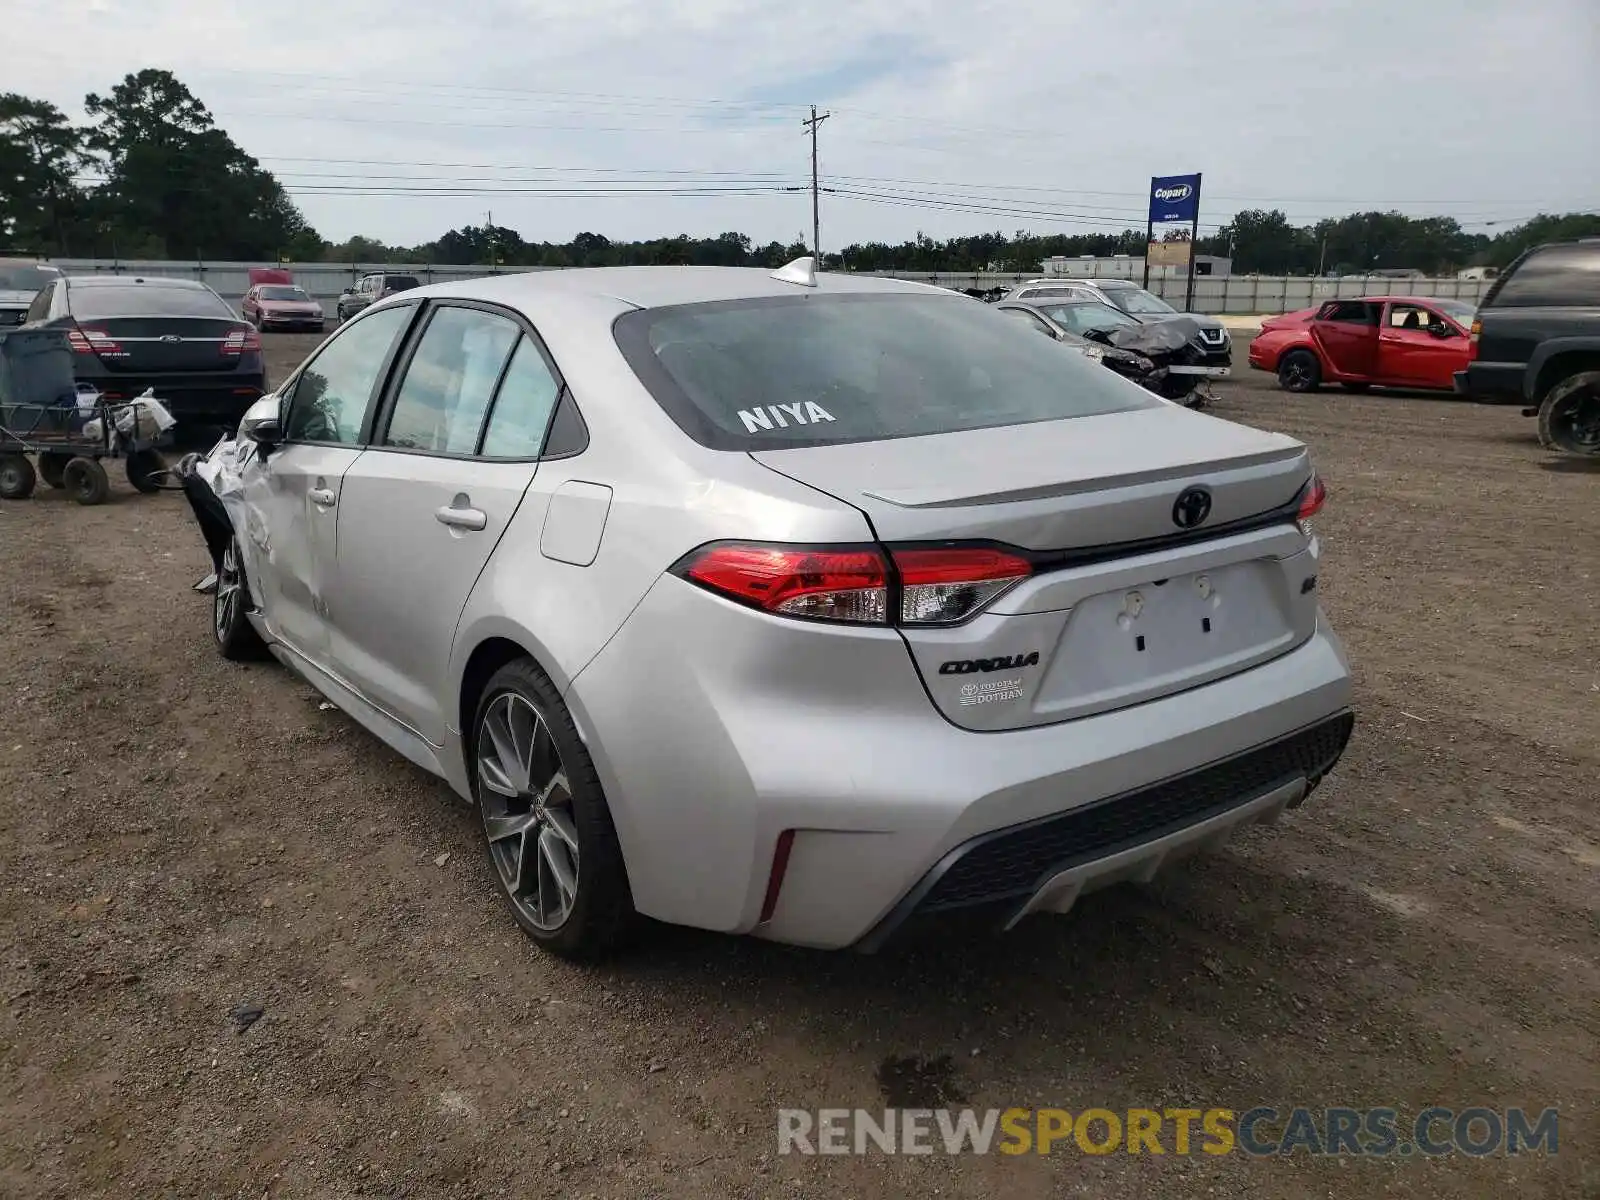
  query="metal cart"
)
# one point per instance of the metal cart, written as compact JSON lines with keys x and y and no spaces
{"x":69,"y":433}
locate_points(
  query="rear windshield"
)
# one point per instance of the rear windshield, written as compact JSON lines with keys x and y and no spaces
{"x":283,"y":293}
{"x":1555,"y":276}
{"x":820,"y":370}
{"x":145,"y":300}
{"x":14,"y":278}
{"x":1081,"y":317}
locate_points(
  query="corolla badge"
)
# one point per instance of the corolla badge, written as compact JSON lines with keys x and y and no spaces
{"x":1181,"y":192}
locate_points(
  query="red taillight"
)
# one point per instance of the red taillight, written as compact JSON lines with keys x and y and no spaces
{"x":1312,"y":499}
{"x":241,"y":340}
{"x":943,"y":586}
{"x":940,"y":586}
{"x":823,"y":584}
{"x":780,"y":866}
{"x":92,"y":341}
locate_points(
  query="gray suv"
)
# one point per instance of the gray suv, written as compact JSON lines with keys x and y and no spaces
{"x":370,"y":290}
{"x":1142,"y":305}
{"x":20,"y":281}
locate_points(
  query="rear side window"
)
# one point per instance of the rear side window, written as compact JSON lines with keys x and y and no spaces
{"x":452,"y":374}
{"x":1556,"y":277}
{"x":820,"y":370}
{"x":145,"y":300}
{"x":399,"y":283}
{"x":522,"y":406}
{"x":1351,"y":312}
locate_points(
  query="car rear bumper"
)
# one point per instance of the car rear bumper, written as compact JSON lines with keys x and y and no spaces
{"x":201,"y":399}
{"x":1492,"y":382}
{"x":715,"y":729}
{"x":1045,"y":865}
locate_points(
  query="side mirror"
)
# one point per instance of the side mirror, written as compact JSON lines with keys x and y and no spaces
{"x":262,"y":423}
{"x":1440,"y":330}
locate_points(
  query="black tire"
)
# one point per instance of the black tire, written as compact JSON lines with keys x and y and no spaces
{"x":86,"y":481}
{"x":52,"y":463}
{"x":1299,"y":371}
{"x":17,"y":477}
{"x":237,"y":639}
{"x":601,"y":912}
{"x":1355,"y":387}
{"x":1569,"y":417}
{"x":146,"y":470}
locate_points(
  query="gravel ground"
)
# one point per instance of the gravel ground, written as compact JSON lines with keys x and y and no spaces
{"x":180,"y":836}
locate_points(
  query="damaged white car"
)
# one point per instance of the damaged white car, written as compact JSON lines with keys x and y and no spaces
{"x":818,"y":607}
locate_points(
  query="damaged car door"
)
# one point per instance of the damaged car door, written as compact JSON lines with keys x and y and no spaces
{"x":291,"y":493}
{"x":451,"y":455}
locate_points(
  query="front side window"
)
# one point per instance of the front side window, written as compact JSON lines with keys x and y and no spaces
{"x":1409,"y":316}
{"x":522,"y":406}
{"x":440,"y":405}
{"x":817,"y":370}
{"x":330,"y":399}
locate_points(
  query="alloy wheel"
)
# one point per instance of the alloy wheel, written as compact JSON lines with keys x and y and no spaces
{"x":527,"y":811}
{"x":229,"y":594}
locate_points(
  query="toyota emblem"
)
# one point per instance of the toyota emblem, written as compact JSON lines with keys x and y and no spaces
{"x":1191,"y":508}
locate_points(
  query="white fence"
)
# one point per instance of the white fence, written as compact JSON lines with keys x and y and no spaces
{"x":1229,"y":294}
{"x":1245,"y":293}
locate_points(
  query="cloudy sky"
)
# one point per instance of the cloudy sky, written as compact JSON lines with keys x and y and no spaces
{"x":400,"y":119}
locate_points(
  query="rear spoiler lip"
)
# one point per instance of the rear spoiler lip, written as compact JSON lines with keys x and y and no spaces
{"x":1082,"y":556}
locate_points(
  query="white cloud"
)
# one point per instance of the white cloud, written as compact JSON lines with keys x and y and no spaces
{"x":1487,"y":111}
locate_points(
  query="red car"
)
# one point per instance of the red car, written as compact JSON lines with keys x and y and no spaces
{"x":1383,"y":341}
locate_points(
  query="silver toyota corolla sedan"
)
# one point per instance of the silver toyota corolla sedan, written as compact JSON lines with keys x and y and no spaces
{"x":817,"y":607}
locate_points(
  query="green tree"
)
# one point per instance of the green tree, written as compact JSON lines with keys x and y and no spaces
{"x":172,"y":176}
{"x":40,"y":155}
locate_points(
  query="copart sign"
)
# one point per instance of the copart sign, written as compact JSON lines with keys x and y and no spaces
{"x":1174,"y":198}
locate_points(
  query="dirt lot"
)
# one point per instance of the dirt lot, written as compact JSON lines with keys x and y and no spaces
{"x":180,"y":836}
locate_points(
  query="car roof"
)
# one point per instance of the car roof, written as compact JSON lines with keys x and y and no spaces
{"x":659,"y":287}
{"x":1423,"y":300}
{"x":1065,"y":301}
{"x":80,"y":281}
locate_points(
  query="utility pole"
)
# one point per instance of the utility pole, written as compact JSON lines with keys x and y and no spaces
{"x":488,"y":230}
{"x":816,"y":212}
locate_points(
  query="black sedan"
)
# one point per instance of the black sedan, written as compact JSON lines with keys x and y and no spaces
{"x":174,"y":336}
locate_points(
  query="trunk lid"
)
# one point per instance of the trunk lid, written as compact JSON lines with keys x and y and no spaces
{"x":162,"y":344}
{"x":1125,"y":603}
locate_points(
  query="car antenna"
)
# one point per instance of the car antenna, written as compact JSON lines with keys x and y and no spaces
{"x":802,"y":271}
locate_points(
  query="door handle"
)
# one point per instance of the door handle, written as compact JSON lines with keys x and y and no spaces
{"x":322,"y":497}
{"x":461,"y":518}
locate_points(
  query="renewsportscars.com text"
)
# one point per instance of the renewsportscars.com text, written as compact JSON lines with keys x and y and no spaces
{"x":1260,"y":1132}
